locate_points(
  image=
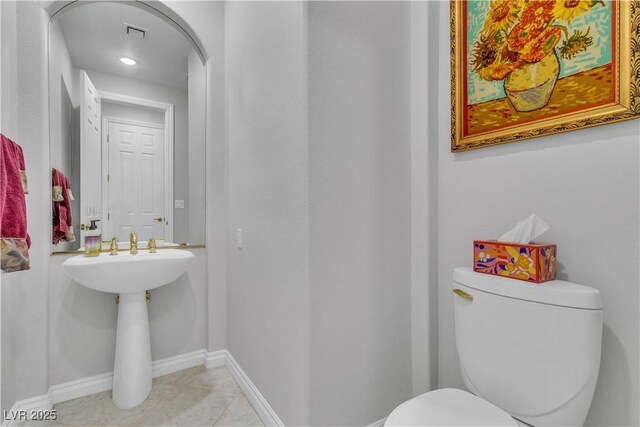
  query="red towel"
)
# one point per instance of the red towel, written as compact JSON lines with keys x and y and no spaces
{"x":14,"y":239}
{"x":62,"y":226}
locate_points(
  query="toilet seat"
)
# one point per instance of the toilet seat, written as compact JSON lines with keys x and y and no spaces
{"x":449,"y":407}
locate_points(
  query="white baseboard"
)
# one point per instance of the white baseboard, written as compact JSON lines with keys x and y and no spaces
{"x":215,"y":359}
{"x":178,"y":363}
{"x":257,"y":400}
{"x":97,"y":384}
{"x":379,"y":423}
{"x":82,"y":387}
{"x":103,"y":382}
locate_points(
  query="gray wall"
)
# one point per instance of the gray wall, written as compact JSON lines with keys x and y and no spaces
{"x":61,"y":73}
{"x":213,"y":19}
{"x":319,"y":297}
{"x":64,"y":122}
{"x":360,"y":210}
{"x":82,"y":322}
{"x":424,"y":200}
{"x":196,"y":131}
{"x":585,"y":185}
{"x":25,"y":295}
{"x":177,"y":97}
{"x":268,"y":280}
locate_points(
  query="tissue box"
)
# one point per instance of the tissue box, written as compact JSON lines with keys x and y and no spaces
{"x":534,"y":262}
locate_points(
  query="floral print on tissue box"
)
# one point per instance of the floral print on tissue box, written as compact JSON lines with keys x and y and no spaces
{"x":533,"y":262}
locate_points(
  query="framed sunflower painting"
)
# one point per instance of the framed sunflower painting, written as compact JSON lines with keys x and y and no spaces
{"x":527,"y":68}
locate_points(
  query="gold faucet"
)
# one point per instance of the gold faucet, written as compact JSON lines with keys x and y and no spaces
{"x":152,"y":246}
{"x":114,"y":247}
{"x":134,"y":243}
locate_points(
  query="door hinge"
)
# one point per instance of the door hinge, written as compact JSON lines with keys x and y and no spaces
{"x":108,"y":177}
{"x":108,"y":216}
{"x":107,"y":138}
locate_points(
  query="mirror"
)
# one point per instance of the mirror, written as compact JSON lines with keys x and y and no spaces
{"x":127,"y":128}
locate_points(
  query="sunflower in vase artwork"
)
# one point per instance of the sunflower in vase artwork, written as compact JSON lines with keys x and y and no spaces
{"x":519,"y":44}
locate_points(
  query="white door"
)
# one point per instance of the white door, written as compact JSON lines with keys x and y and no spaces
{"x":90,"y":152}
{"x":135,"y":180}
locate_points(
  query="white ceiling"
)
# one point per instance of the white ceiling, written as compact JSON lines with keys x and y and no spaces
{"x":96,"y":38}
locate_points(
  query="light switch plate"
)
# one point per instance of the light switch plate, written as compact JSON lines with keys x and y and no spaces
{"x":179,"y":204}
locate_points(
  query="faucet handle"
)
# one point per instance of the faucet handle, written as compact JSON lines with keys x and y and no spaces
{"x":133,"y":244}
{"x":114,"y":247}
{"x":152,"y":245}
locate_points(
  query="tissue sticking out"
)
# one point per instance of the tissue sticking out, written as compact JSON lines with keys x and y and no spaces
{"x":526,"y":230}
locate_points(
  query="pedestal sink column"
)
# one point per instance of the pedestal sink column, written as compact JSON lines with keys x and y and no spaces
{"x":130,"y":275}
{"x":132,"y":370}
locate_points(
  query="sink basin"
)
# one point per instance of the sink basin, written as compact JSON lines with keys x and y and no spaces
{"x":126,"y":273}
{"x":130,"y":276}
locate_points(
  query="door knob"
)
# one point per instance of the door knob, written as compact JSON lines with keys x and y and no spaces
{"x":158,"y":219}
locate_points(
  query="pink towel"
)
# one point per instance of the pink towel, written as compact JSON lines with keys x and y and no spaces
{"x":14,"y":239}
{"x":62,"y":226}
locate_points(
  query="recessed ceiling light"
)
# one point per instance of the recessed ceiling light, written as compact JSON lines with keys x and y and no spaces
{"x":128,"y":61}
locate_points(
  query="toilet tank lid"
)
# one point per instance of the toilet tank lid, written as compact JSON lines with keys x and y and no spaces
{"x":555,"y":292}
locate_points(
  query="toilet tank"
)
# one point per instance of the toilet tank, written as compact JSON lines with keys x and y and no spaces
{"x":530,"y":349}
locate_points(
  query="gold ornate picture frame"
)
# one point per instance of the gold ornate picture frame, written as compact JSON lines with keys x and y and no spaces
{"x":527,"y":68}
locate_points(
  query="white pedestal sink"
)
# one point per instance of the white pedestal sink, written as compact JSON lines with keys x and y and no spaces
{"x":130,"y":276}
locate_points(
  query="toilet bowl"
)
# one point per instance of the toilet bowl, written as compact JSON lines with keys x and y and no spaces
{"x":529,"y":354}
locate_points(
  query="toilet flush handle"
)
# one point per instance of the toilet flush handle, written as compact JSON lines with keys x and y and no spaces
{"x":462,"y":294}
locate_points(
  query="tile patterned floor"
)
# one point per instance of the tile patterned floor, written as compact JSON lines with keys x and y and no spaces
{"x":192,"y":397}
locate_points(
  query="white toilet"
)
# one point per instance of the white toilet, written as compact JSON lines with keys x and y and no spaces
{"x":529,"y":353}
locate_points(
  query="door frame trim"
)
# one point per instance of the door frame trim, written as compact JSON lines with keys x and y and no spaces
{"x":168,"y":110}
